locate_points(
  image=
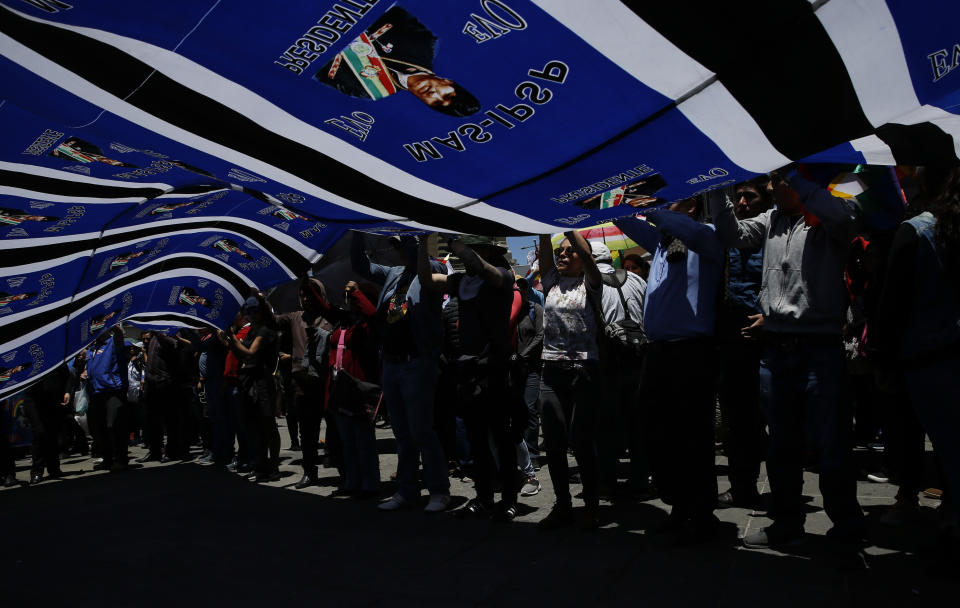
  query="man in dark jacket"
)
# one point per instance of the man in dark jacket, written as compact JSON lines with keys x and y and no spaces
{"x":43,"y":405}
{"x":739,"y":388}
{"x":160,"y":392}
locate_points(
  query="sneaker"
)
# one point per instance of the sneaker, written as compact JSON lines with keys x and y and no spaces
{"x":208,"y":459}
{"x":531,"y":487}
{"x":558,"y":517}
{"x":879,"y":477}
{"x":504,"y":512}
{"x":9,"y":480}
{"x":265,"y":477}
{"x":773,"y":537}
{"x":394,"y":503}
{"x":232,"y":467}
{"x":437,"y":503}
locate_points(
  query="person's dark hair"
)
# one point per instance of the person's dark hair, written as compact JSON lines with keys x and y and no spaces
{"x":463,"y":104}
{"x":946,"y":234}
{"x":638,"y":260}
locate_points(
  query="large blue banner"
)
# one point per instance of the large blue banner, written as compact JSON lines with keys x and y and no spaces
{"x":161,"y":160}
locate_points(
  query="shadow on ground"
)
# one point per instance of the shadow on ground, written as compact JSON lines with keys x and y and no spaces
{"x":191,"y":535}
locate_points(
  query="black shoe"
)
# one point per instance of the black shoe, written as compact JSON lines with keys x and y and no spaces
{"x":265,"y":477}
{"x":773,"y":536}
{"x":148,"y":458}
{"x":728,"y":499}
{"x":102,"y":466}
{"x":119,"y":467}
{"x":558,"y":517}
{"x":35,"y":478}
{"x":475,"y":508}
{"x":305,"y":482}
{"x":9,"y":480}
{"x":55,"y":474}
{"x":504,"y":512}
{"x":848,"y":535}
{"x":294,"y":447}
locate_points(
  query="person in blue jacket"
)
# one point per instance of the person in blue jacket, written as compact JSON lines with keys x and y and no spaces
{"x":107,"y":377}
{"x":677,"y":381}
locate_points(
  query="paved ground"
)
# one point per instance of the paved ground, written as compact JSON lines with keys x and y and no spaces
{"x":189,"y":534}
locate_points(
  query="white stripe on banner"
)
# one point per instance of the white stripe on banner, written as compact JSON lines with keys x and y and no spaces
{"x":229,"y":93}
{"x":23,"y":314}
{"x":874,"y":150}
{"x":66,"y":198}
{"x":630,"y":42}
{"x":172,"y":274}
{"x":865,"y":34}
{"x":617,"y":32}
{"x":278,"y":235}
{"x":721,"y":118}
{"x":76,"y":177}
{"x":53,"y":72}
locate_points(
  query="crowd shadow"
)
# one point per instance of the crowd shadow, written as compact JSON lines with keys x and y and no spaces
{"x":195,"y":535}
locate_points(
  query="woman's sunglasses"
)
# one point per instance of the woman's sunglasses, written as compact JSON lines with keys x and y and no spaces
{"x":564,"y":251}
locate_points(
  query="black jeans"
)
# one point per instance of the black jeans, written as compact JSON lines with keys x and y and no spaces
{"x":107,"y":419}
{"x":261,"y":423}
{"x":46,"y":421}
{"x":739,"y":395}
{"x":157,"y":399}
{"x":568,"y":402}
{"x":309,"y":393}
{"x":487,"y":406}
{"x":619,"y":425}
{"x":678,"y":387}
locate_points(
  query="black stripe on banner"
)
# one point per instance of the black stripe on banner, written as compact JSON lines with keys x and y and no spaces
{"x":158,"y":319}
{"x":777,"y":60}
{"x":920,"y":144}
{"x":287,"y":255}
{"x":26,"y":325}
{"x":65,"y":187}
{"x":113,"y":70}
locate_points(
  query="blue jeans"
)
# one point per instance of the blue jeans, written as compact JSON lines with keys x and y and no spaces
{"x":801,"y":389}
{"x":408,"y":389}
{"x":360,"y":461}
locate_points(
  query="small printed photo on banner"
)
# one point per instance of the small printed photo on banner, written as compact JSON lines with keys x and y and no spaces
{"x":6,"y":373}
{"x":15,"y":217}
{"x":77,"y":150}
{"x":100,"y":321}
{"x":639,"y":193}
{"x":396,"y":54}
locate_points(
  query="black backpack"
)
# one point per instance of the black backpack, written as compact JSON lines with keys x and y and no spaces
{"x":625,"y":337}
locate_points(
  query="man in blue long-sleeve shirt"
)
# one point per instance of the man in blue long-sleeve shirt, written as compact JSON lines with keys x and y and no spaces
{"x":677,"y":381}
{"x":805,"y":241}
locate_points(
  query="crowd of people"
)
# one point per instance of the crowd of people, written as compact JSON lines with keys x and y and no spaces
{"x":770,"y":298}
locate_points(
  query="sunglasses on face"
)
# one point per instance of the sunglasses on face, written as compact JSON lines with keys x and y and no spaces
{"x":568,"y":251}
{"x":748,"y":195}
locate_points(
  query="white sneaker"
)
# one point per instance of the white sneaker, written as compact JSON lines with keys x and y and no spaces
{"x":394,"y":503}
{"x":438,"y":503}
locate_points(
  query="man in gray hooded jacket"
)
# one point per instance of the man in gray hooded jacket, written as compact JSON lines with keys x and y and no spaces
{"x":805,"y":241}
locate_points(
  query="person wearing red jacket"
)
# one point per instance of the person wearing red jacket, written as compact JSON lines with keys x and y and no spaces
{"x":353,"y":352}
